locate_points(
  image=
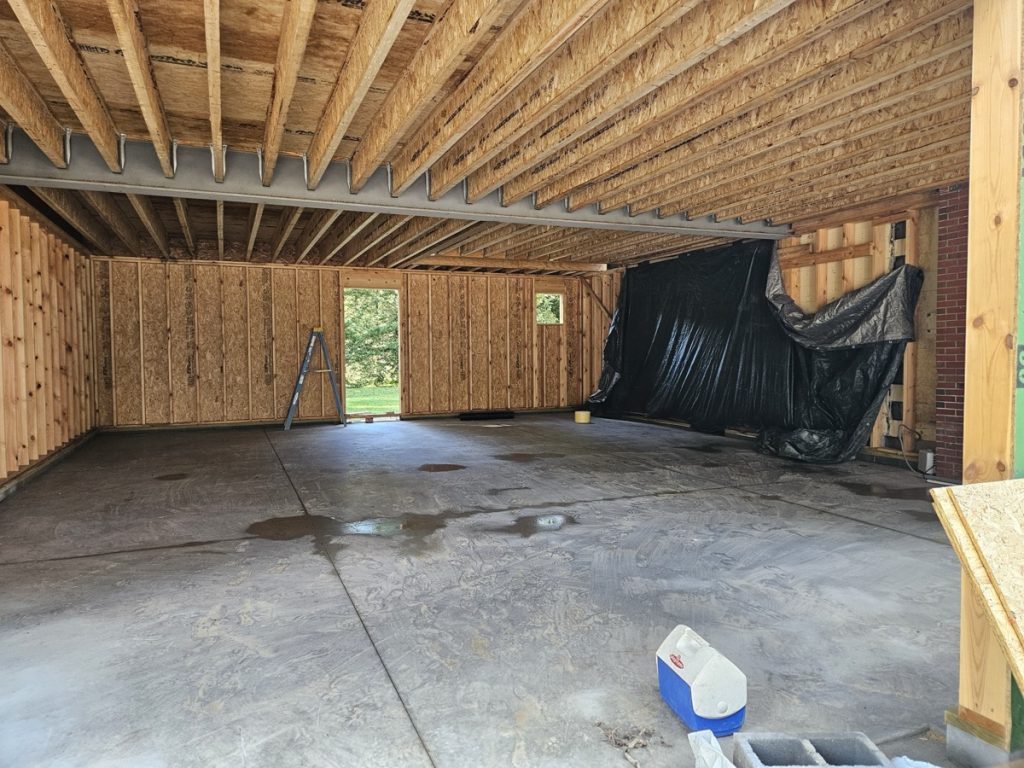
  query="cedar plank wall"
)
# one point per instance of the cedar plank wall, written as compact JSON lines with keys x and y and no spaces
{"x":814,"y":286}
{"x":46,"y":356}
{"x":207,"y":343}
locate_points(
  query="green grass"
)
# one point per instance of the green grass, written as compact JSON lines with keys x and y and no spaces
{"x":372,"y":399}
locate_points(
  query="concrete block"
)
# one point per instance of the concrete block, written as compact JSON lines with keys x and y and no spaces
{"x":826,"y":750}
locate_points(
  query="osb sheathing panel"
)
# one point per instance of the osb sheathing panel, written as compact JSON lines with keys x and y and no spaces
{"x":44,"y":385}
{"x":227,"y":340}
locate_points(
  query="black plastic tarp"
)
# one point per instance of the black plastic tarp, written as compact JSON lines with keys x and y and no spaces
{"x":711,"y":338}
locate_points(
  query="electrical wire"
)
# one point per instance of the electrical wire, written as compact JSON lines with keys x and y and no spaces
{"x":917,"y":435}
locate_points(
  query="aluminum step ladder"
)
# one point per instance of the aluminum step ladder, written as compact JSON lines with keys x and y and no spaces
{"x":315,"y":334}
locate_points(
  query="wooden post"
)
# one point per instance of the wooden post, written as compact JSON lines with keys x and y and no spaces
{"x":985,"y":718}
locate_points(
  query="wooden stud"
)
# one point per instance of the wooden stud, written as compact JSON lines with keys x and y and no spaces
{"x":378,"y":29}
{"x":452,"y":38}
{"x":220,"y":229}
{"x":255,"y":217}
{"x":181,"y":211}
{"x":535,"y":32}
{"x":296,"y":21}
{"x":151,"y":221}
{"x":128,"y":26}
{"x":20,"y":99}
{"x":53,"y":41}
{"x":211,"y":26}
{"x":289,"y":218}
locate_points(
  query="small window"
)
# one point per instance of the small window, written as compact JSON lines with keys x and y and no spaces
{"x":549,"y":308}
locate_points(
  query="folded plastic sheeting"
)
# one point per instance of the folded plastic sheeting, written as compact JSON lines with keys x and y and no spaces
{"x":712,"y":339}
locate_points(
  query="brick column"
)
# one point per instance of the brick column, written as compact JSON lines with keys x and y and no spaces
{"x":951,"y":321}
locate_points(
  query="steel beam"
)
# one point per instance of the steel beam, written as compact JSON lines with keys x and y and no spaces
{"x":194,"y":179}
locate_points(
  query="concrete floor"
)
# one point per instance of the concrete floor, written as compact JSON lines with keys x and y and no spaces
{"x":455,"y":594}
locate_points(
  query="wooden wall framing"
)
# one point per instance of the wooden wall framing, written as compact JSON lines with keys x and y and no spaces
{"x":46,"y":354}
{"x":822,"y":265}
{"x":214,"y":343}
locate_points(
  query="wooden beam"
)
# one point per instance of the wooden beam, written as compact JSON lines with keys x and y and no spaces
{"x":346,"y":228}
{"x":882,"y":209}
{"x":181,"y":210}
{"x":211,"y":25}
{"x":503,"y":264}
{"x":707,"y":97}
{"x":993,"y":440}
{"x":69,"y":206}
{"x":220,"y":229}
{"x":20,"y":99}
{"x":451,"y":39}
{"x":255,"y":217}
{"x":811,"y":258}
{"x":132,"y":39}
{"x":291,"y":45}
{"x":289,"y":218}
{"x":621,"y":28}
{"x":407,"y":234}
{"x":370,"y":237}
{"x":151,"y":221}
{"x":54,"y":43}
{"x":105,"y":204}
{"x":318,"y":225}
{"x":447,"y":229}
{"x":379,"y":26}
{"x":528,"y":39}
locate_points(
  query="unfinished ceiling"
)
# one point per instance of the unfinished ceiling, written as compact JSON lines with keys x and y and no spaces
{"x":739,"y":111}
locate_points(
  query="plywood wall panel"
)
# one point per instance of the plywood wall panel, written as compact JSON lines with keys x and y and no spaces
{"x":234,"y":339}
{"x":127,"y":351}
{"x":261,"y":343}
{"x":440,"y":352}
{"x":237,"y":346}
{"x":418,"y":342}
{"x":286,"y":339}
{"x":155,"y":343}
{"x":9,"y":407}
{"x":181,"y":292}
{"x":20,"y":301}
{"x":307,"y":310}
{"x":330,"y":321}
{"x":102,"y":328}
{"x":458,"y":296}
{"x":497,"y":304}
{"x":479,"y":343}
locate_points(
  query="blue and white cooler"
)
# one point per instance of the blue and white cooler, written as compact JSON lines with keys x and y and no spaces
{"x":705,"y":689}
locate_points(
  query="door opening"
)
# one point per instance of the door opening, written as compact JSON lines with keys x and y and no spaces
{"x":371,"y":352}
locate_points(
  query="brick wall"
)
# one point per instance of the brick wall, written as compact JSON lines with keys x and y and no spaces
{"x":951,"y":320}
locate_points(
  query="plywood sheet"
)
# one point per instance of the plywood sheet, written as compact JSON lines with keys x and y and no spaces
{"x":418,"y":334}
{"x":458,"y":297}
{"x":985,"y":524}
{"x":102,"y":328}
{"x":330,"y":320}
{"x":308,"y":315}
{"x":126,"y":342}
{"x":498,"y":347}
{"x":479,"y":342}
{"x":261,"y":343}
{"x":519,"y":337}
{"x":440,"y":354}
{"x":237,"y":346}
{"x":286,"y":356}
{"x":181,"y":290}
{"x":209,"y":343}
{"x":572,"y":375}
{"x":155,"y":343}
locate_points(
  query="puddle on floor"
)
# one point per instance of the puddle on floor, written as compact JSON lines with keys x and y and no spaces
{"x":440,"y":467}
{"x":172,"y":476}
{"x":884,"y":491}
{"x":528,"y":525}
{"x":499,"y":491}
{"x":703,"y":448}
{"x":523,"y":458}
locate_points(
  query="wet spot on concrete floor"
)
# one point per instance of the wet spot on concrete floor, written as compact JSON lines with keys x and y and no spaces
{"x":924,"y":515}
{"x":712,"y":464}
{"x":287,"y":528}
{"x":440,"y":467}
{"x":527,"y":525}
{"x":172,"y":476}
{"x":499,"y":491}
{"x":527,"y":457}
{"x":884,"y":491}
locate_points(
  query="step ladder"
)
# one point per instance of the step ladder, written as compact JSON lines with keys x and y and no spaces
{"x":315,"y":334}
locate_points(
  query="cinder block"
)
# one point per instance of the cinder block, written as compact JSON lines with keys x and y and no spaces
{"x":826,"y":750}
